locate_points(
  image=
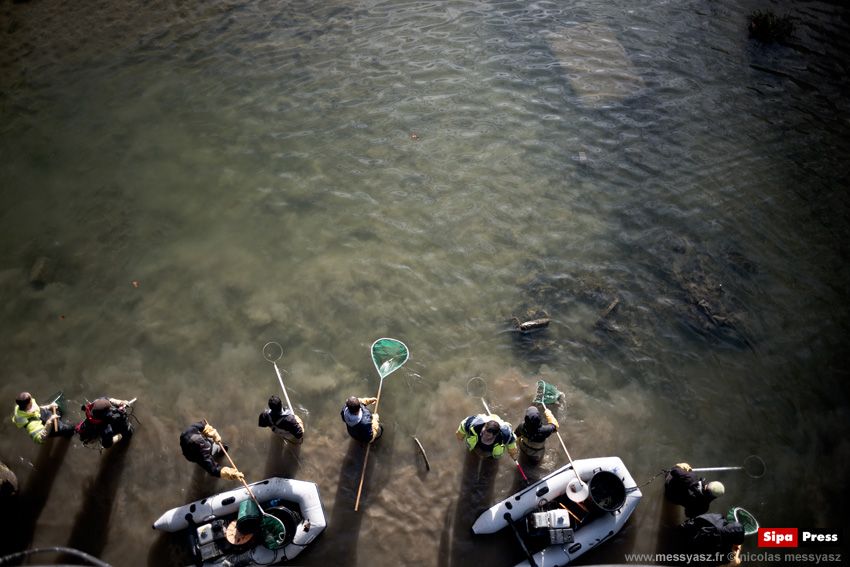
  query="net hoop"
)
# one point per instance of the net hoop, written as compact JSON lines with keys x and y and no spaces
{"x":273,"y":530}
{"x":738,"y":514}
{"x":476,"y":387}
{"x":388,"y":355}
{"x":754,"y":466}
{"x":272,"y":352}
{"x":59,"y":400}
{"x":547,"y":393}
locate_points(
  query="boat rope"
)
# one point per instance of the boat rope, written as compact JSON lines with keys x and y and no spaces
{"x":79,"y":554}
{"x":632,"y":489}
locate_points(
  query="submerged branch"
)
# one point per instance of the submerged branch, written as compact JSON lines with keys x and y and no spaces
{"x":422,"y":450}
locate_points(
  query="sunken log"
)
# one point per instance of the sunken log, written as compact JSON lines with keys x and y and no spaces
{"x":424,"y":456}
{"x":608,"y":311}
{"x":529,"y":326}
{"x":42,"y":271}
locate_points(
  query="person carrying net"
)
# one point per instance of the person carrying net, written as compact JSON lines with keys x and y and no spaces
{"x":199,"y":444}
{"x":685,"y":488}
{"x":487,"y":436}
{"x":106,"y":420}
{"x":712,"y":535}
{"x":532,"y":433}
{"x":40,"y":422}
{"x":361,"y":424}
{"x":282,"y":422}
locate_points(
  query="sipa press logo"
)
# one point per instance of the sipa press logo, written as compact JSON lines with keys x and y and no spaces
{"x":777,"y":537}
{"x":792,"y":537}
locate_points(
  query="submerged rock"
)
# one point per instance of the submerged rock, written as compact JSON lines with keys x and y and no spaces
{"x":706,"y":305}
{"x":685,"y":288}
{"x":8,"y":484}
{"x":768,"y":27}
{"x":42,"y":271}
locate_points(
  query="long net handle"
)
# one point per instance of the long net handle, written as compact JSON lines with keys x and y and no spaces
{"x":749,"y":463}
{"x":369,"y":446}
{"x":285,"y":395}
{"x":377,"y":401}
{"x":242,"y":479}
{"x":55,"y":421}
{"x":362,"y":477}
{"x":570,"y":459}
{"x":245,"y":484}
{"x":248,"y":488}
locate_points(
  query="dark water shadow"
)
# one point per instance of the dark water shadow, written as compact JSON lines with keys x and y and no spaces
{"x":672,"y":517}
{"x":202,"y":485}
{"x":668,"y":526}
{"x":172,"y":548}
{"x":344,"y":524}
{"x":519,"y":482}
{"x":533,"y":469}
{"x":458,"y":546}
{"x":17,"y":522}
{"x":91,"y":526}
{"x":651,"y":529}
{"x":282,"y":459}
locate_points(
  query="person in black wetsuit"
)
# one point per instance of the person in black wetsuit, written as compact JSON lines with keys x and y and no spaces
{"x":714,"y":537}
{"x":199,"y":445}
{"x":282,"y":422}
{"x":685,"y":488}
{"x":362,"y":425}
{"x":106,"y":420}
{"x":532,"y":434}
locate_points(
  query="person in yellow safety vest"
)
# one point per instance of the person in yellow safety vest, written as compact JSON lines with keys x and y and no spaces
{"x":487,"y":436}
{"x":39,"y":421}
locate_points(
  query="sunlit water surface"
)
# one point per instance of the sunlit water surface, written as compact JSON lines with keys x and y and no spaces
{"x":213,"y":176}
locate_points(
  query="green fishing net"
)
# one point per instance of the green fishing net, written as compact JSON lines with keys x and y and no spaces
{"x":57,"y":398}
{"x":547,"y":393}
{"x":388,"y":355}
{"x":749,"y":521}
{"x":274,"y":532}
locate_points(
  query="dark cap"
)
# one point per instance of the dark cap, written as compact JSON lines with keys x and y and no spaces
{"x":100,"y":408}
{"x":274,"y":403}
{"x":532,"y":420}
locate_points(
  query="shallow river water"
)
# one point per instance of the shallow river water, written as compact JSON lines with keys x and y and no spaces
{"x":212,"y":176}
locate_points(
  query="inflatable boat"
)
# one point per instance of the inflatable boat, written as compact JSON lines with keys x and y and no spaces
{"x":220,"y":526}
{"x":559,"y":518}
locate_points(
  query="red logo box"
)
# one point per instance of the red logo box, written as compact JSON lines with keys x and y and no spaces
{"x":778,"y":537}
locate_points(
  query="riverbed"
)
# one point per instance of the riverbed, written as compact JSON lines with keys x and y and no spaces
{"x":208,"y":177}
